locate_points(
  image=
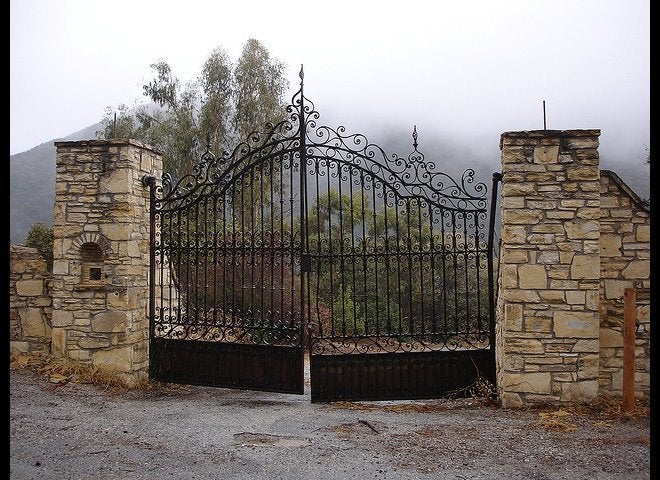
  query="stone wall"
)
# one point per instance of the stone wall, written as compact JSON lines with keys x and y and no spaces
{"x":101,"y":254}
{"x":625,"y":251}
{"x":548,"y":321}
{"x":30,"y":303}
{"x":573,"y":238}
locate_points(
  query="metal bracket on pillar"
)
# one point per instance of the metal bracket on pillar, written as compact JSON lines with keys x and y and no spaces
{"x":148,"y":181}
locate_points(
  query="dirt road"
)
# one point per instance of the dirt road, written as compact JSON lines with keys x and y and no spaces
{"x":81,"y":431}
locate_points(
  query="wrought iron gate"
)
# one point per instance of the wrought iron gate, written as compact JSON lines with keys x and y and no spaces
{"x":306,"y":238}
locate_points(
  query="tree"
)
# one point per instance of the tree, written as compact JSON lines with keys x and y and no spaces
{"x":259,"y":89}
{"x":40,"y":236}
{"x":224,"y":104}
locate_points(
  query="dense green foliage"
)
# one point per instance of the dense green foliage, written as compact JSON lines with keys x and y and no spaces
{"x":40,"y":236}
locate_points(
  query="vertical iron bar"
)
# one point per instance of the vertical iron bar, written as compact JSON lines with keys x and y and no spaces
{"x":387,"y":263}
{"x":195,"y":271}
{"x":497,"y":177}
{"x":292,"y":253}
{"x":376,"y":290}
{"x":234,"y":256}
{"x":271,"y":243}
{"x":443,"y":213}
{"x":421,"y":265}
{"x":188,"y":268}
{"x":151,"y":182}
{"x":341,"y":255}
{"x":253,"y":233}
{"x":466,"y":216}
{"x":161,"y":308}
{"x":365,"y":263}
{"x":177,"y":262}
{"x":318,"y":331}
{"x":410,"y":267}
{"x":205,"y":265}
{"x":432,"y":253}
{"x":353,"y":255}
{"x":304,"y":249}
{"x":455,"y":264}
{"x":282,"y":243}
{"x":262,"y":251}
{"x":398,"y":260}
{"x":304,"y":341}
{"x":242,"y":309}
{"x":478,"y":267}
{"x":331,"y":256}
{"x":223,"y":255}
{"x":319,"y":260}
{"x":215,"y":260}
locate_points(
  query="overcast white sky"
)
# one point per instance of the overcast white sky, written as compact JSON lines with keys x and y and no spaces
{"x":459,"y":69}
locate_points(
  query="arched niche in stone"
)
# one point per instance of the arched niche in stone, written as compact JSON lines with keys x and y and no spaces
{"x":92,"y":250}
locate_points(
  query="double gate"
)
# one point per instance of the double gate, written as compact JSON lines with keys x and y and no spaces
{"x":306,"y":240}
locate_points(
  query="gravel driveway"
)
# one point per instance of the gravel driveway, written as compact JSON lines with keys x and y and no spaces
{"x":81,"y":431}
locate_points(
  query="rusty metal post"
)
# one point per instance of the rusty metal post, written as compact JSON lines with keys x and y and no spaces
{"x":629,"y":321}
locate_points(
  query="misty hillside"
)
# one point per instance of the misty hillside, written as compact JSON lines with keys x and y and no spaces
{"x":32,"y":184}
{"x":32,"y":173}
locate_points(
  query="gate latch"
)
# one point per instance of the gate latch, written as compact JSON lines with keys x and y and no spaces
{"x":306,"y":263}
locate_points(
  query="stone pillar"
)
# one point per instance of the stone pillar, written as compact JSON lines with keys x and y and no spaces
{"x":548,"y":323}
{"x":101,"y":254}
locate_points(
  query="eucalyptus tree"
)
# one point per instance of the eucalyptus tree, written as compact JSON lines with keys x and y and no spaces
{"x":221,"y":106}
{"x":259,"y":87}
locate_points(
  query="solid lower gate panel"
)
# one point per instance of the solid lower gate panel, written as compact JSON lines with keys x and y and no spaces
{"x":398,"y":376}
{"x":216,"y":364}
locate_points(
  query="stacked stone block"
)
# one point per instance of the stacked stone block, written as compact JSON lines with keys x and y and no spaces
{"x":625,"y":253}
{"x":100,"y":201}
{"x":30,"y":303}
{"x":548,"y":322}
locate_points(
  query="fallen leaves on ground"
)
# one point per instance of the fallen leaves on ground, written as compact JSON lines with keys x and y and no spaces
{"x":61,"y":371}
{"x":557,"y":421}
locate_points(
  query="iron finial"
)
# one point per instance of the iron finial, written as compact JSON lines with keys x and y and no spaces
{"x":414,"y":135}
{"x":208,"y":141}
{"x":301,"y":74}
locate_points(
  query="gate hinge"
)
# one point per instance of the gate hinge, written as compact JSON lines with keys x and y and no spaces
{"x":306,"y":263}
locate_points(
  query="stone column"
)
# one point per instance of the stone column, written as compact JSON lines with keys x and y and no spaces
{"x":101,"y":254}
{"x":548,"y":322}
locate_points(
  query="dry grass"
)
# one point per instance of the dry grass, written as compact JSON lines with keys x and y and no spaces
{"x":401,"y":408}
{"x":434,"y":407}
{"x":61,"y":371}
{"x":480,"y":393}
{"x":603,"y":414}
{"x":557,"y":421}
{"x":606,"y":408}
{"x":613,"y":408}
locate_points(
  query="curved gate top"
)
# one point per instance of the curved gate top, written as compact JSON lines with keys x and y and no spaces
{"x":308,"y":239}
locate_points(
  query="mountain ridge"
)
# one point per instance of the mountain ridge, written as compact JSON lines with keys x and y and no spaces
{"x":32,"y":184}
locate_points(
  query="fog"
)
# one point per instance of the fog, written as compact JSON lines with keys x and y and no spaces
{"x":462,"y":72}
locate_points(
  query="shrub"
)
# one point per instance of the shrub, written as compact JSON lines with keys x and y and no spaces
{"x":40,"y":236}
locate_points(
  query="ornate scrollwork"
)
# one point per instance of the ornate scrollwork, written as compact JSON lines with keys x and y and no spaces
{"x":231,"y":234}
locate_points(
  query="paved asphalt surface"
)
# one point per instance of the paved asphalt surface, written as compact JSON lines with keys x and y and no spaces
{"x":79,"y":431}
